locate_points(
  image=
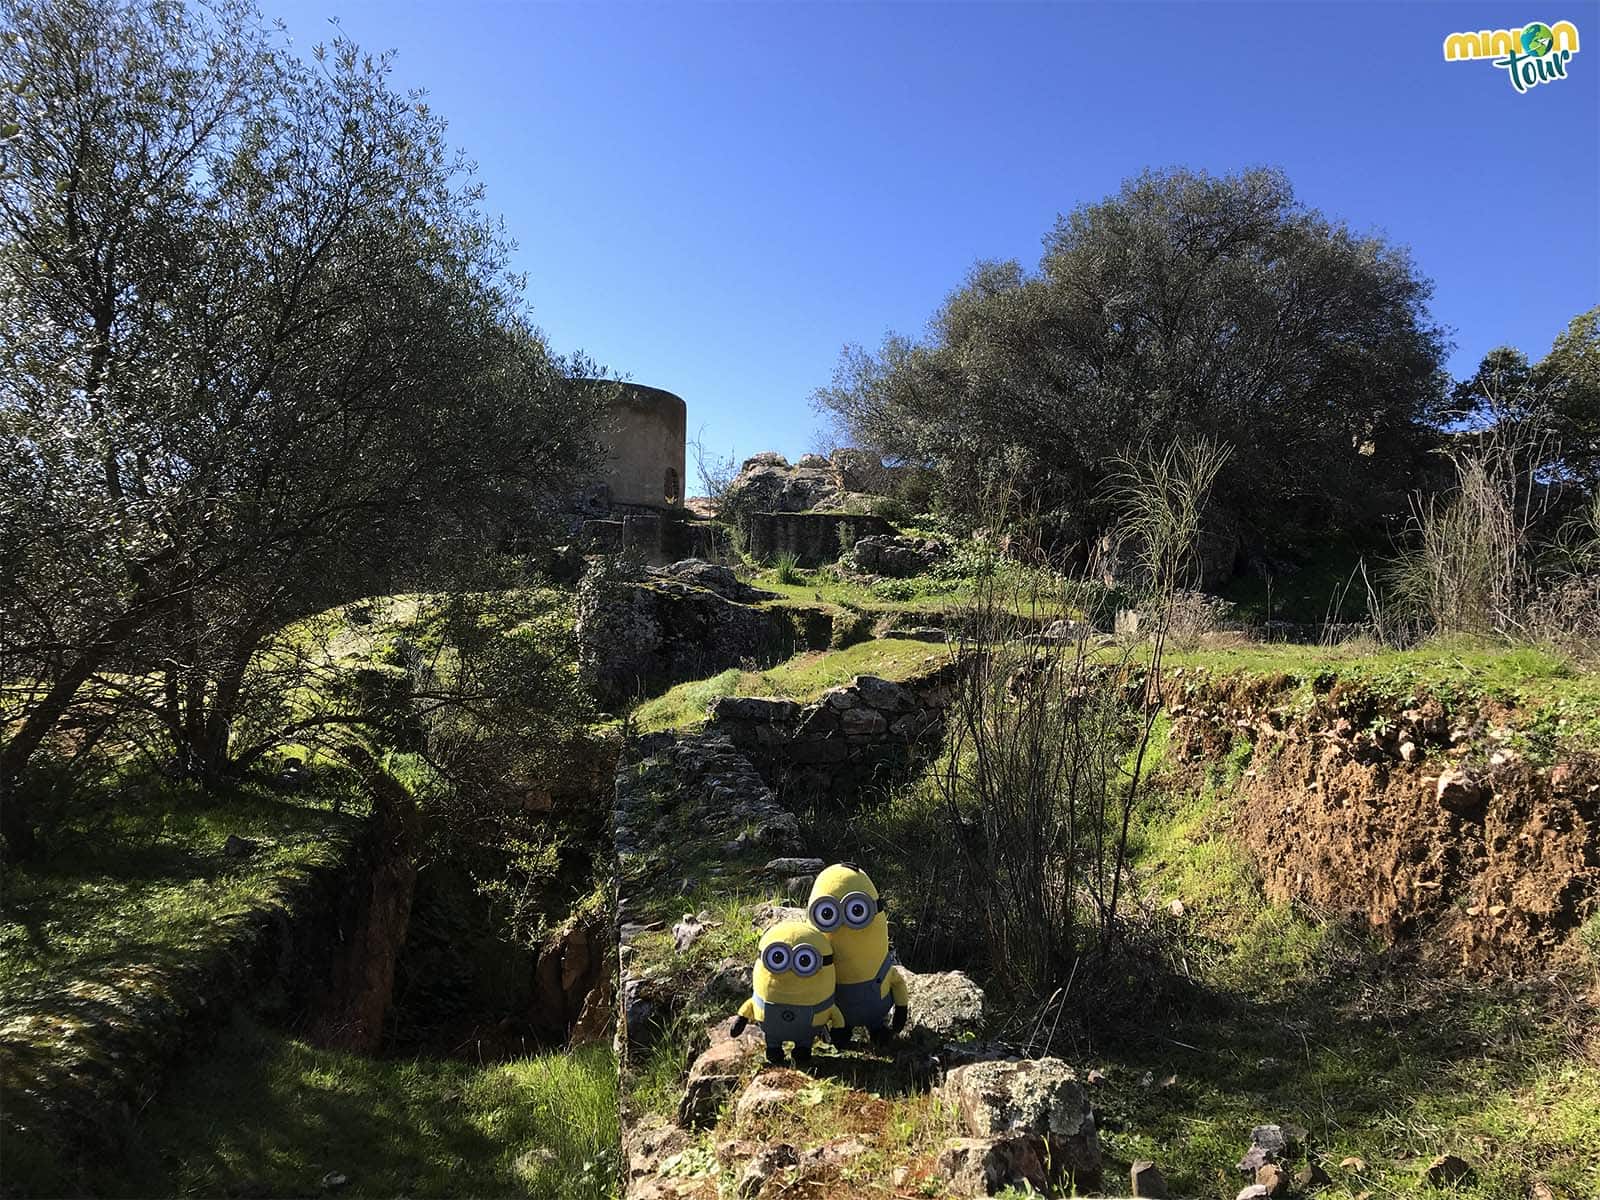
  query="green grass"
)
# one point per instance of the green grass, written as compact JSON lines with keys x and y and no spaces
{"x":921,"y":594}
{"x":1558,"y":700}
{"x":265,"y":1113}
{"x":144,"y":879}
{"x":1391,"y":1074}
{"x":802,"y":678}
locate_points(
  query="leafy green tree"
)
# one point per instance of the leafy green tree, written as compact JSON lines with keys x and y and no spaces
{"x":1185,"y":306}
{"x":260,"y":353}
{"x":1569,"y":380}
{"x":1552,"y":406}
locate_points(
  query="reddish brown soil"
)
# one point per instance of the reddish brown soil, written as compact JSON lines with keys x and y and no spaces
{"x":1336,"y":819}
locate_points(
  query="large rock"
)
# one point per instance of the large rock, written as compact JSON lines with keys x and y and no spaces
{"x":882,"y":694}
{"x":1147,"y":1181}
{"x":753,"y":709}
{"x":767,"y":1163}
{"x":768,"y":483}
{"x":713,"y":577}
{"x":641,"y":634}
{"x":985,"y":1166}
{"x":1461,"y":792}
{"x":895,"y":556}
{"x":813,"y":538}
{"x":946,"y":1004}
{"x":1022,"y":1096}
{"x":715,"y":1075}
{"x":770,"y":1092}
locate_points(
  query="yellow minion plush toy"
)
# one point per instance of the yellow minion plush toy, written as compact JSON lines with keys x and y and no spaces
{"x":844,"y":904}
{"x":793,"y":986}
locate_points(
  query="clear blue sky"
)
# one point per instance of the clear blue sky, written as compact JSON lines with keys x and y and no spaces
{"x":714,"y":198}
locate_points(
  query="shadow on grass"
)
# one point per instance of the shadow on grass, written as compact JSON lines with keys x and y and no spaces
{"x":1383,"y":1065}
{"x":262,"y":1114}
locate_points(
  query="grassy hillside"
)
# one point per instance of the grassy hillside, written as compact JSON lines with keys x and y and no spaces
{"x":802,"y":678}
{"x":263,"y":1113}
{"x":1235,"y":1009}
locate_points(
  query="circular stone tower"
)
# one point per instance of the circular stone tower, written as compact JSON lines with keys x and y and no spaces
{"x":644,"y":435}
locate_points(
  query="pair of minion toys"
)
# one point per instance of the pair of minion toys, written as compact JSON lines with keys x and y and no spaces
{"x":828,"y":975}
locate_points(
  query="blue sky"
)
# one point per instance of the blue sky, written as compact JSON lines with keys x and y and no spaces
{"x":714,"y":198}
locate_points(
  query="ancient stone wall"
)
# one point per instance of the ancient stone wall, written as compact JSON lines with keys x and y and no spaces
{"x":639,"y":636}
{"x":866,"y":732}
{"x":813,"y":538}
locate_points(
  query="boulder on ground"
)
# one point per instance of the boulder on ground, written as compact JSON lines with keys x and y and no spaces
{"x":985,"y":1166}
{"x":1146,"y":1181}
{"x":767,"y":1163}
{"x":713,"y":577}
{"x":1450,"y":1170}
{"x":895,"y":555}
{"x":714,"y":1079}
{"x":769,"y":1092}
{"x":945,"y":1004}
{"x":1460,"y":792}
{"x":1039,"y":1096}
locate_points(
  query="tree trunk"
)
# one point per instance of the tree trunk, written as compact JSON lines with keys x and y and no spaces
{"x":15,"y":822}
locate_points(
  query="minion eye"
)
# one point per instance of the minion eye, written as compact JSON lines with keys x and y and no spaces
{"x":825,"y":914}
{"x":776,"y":957}
{"x":857,"y":910}
{"x":806,"y":961}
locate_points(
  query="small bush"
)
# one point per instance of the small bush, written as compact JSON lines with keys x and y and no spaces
{"x":895,"y":589}
{"x":892,"y":509}
{"x":787,"y":567}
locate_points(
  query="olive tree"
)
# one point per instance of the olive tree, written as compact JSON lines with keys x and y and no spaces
{"x":1185,"y":306}
{"x":260,"y":352}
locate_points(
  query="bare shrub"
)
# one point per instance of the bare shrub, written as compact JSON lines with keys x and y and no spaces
{"x":1469,"y":567}
{"x":716,"y":472}
{"x":1049,"y":733}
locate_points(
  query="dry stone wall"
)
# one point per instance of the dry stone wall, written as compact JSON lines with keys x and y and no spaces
{"x":868,"y":731}
{"x":814,"y":538}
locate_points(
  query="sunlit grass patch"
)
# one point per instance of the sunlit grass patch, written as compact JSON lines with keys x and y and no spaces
{"x":145,"y":878}
{"x":271,"y":1114}
{"x":802,"y":678}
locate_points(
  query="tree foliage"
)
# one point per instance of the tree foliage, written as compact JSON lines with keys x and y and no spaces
{"x":1185,"y":306}
{"x":260,"y":353}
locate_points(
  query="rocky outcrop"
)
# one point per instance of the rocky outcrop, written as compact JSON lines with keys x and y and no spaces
{"x":572,"y":982}
{"x":848,"y":479}
{"x":813,"y":538}
{"x":714,"y":1077}
{"x":866,"y":731}
{"x":1031,"y":1114}
{"x":893,"y":555}
{"x":944,"y":1004}
{"x":640,"y":634}
{"x":768,"y":483}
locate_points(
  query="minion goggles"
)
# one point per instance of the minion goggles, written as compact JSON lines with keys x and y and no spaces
{"x":856,"y":910}
{"x":802,"y":960}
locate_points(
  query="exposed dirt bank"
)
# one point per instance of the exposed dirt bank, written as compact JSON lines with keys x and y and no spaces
{"x":1434,"y":824}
